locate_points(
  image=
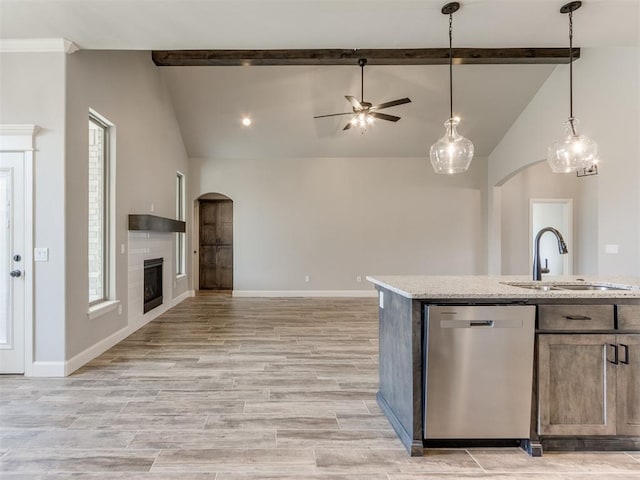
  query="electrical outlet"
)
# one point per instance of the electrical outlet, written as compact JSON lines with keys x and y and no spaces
{"x":122,"y":248}
{"x":152,"y":208}
{"x":306,"y":278}
{"x":119,"y":309}
{"x":359,"y":279}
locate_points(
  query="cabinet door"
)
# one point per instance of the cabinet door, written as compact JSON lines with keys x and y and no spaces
{"x":628,"y":373}
{"x":576,"y":385}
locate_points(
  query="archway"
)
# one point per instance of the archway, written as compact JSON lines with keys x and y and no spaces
{"x":510,"y":222}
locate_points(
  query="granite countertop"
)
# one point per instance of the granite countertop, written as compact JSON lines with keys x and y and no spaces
{"x":483,"y":286}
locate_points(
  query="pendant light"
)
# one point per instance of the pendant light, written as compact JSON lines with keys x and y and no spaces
{"x":453,"y":152}
{"x":573,"y":152}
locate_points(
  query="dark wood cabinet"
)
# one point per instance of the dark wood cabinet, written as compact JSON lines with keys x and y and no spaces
{"x":589,"y":383}
{"x":576,"y":385}
{"x":628,"y":385}
{"x":216,"y":244}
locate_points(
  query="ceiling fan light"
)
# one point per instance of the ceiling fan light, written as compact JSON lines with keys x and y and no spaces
{"x":573,"y":152}
{"x":453,"y":152}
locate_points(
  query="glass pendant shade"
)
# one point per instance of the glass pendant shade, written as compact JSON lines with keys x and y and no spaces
{"x":453,"y":152}
{"x":573,"y":152}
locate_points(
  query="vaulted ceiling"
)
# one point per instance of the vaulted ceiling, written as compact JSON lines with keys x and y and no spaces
{"x":210,"y":101}
{"x":252,"y":24}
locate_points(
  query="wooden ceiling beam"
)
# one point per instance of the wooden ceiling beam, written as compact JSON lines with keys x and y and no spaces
{"x":406,"y":56}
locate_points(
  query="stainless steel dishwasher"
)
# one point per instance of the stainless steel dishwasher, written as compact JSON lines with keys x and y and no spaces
{"x":478,"y":371}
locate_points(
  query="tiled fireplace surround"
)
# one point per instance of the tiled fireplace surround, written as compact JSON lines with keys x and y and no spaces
{"x":144,"y":246}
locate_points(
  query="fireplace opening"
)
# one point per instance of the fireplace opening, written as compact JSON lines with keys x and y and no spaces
{"x":152,"y":283}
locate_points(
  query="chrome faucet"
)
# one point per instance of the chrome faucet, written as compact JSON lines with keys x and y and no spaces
{"x":562,"y":248}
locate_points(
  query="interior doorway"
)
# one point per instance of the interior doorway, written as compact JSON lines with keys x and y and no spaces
{"x":12,"y":287}
{"x":16,"y":247}
{"x":556,"y":213}
{"x":215,"y":257}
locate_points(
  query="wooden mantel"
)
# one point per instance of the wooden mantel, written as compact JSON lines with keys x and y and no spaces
{"x":405,"y":56}
{"x":152,"y":223}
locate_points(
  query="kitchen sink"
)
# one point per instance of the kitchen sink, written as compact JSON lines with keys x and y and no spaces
{"x":592,"y":286}
{"x":536,"y":287}
{"x":549,"y":286}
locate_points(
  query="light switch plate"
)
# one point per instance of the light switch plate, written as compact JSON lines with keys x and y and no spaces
{"x":611,"y":249}
{"x":40,"y":254}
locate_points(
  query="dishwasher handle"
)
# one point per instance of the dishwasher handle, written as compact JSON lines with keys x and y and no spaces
{"x":478,"y":324}
{"x":481,"y":323}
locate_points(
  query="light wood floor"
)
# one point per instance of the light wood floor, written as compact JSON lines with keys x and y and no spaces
{"x":221,"y":388}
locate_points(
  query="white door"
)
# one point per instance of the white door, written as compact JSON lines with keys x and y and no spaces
{"x":12,"y":283}
{"x":556,"y":213}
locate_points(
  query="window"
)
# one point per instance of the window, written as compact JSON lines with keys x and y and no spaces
{"x":99,"y":212}
{"x":181,"y":247}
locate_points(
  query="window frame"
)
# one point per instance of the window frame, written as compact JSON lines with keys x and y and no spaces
{"x":105,"y":126}
{"x":181,"y":244}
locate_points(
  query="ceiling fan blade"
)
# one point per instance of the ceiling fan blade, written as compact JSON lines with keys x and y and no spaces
{"x":333,"y":115}
{"x":392,"y":103}
{"x":384,"y":116}
{"x":354,"y":101}
{"x":347,"y":126}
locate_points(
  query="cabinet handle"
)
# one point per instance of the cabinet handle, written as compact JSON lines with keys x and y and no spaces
{"x":576,"y":317}
{"x":626,"y":354}
{"x":615,"y":354}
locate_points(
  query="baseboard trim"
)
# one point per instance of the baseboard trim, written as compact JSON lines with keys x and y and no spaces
{"x":97,"y":349}
{"x":183,"y":296}
{"x":105,"y":344}
{"x":306,"y":293}
{"x":47,"y":369}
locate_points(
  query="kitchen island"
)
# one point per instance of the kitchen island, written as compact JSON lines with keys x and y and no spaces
{"x":584,"y":391}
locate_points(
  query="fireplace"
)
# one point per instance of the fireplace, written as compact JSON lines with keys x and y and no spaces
{"x":152,"y":283}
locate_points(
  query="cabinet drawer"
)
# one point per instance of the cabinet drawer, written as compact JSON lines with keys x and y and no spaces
{"x":575,"y":317}
{"x":629,"y":317}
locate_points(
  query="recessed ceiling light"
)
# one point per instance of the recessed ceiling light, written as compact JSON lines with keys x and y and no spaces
{"x":246,"y":121}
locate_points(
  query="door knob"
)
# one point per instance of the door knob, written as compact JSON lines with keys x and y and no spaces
{"x":16,"y":273}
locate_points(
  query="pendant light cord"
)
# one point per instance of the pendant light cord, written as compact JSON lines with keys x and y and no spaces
{"x":573,"y":129}
{"x":451,"y":65}
{"x":362,"y":83}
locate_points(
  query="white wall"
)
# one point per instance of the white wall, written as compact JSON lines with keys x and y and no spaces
{"x":336,"y":218}
{"x":606,"y":100}
{"x":127,"y":89}
{"x":32,"y":91}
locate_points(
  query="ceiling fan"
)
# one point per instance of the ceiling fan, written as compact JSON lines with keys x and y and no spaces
{"x":365,"y":112}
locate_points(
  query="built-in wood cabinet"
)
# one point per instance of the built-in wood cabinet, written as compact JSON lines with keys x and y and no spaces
{"x":576,"y":385}
{"x":588,"y":383}
{"x":628,"y":383}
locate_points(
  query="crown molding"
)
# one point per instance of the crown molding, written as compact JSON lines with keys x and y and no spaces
{"x":14,"y":137}
{"x":41,"y":45}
